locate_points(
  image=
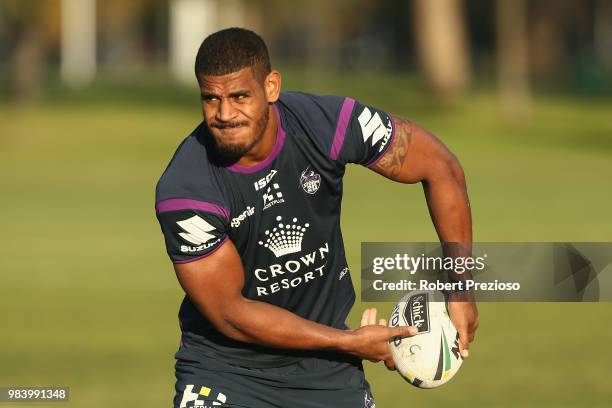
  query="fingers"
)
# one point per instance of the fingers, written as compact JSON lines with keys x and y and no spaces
{"x":372,"y":320}
{"x":382,"y":322}
{"x":365,"y":318}
{"x":389,"y":363}
{"x":465,"y":318}
{"x":466,"y":336}
{"x":472,"y":330}
{"x":464,"y":343}
{"x":404,"y":331}
{"x":368,"y":318}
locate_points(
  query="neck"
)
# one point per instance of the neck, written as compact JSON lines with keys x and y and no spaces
{"x":261,"y":150}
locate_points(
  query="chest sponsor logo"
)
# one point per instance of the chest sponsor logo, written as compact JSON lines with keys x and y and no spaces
{"x":373,"y":128}
{"x":293,"y":272}
{"x":236,"y":221}
{"x":198,"y":232}
{"x":272,"y":196}
{"x":310,"y":181}
{"x":284,"y":238}
{"x":262,"y":182}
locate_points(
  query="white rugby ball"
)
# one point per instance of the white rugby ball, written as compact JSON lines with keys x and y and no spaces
{"x":431,"y":357}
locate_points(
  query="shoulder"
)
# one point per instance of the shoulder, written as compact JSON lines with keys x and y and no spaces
{"x":323,"y":119}
{"x":190,"y":174}
{"x":318,"y":109}
{"x":311,"y":103}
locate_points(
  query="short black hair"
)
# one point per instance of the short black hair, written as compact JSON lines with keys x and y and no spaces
{"x":230,"y":50}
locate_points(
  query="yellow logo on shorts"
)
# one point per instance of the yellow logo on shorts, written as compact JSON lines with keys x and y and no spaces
{"x":191,"y":399}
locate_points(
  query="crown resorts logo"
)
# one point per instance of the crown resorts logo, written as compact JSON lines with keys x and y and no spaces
{"x":285,"y":238}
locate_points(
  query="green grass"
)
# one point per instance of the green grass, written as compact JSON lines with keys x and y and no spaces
{"x":89,"y":300}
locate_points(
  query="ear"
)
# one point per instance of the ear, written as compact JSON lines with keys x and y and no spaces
{"x":272,"y":86}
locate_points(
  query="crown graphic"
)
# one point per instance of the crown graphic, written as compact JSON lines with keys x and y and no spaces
{"x":285,"y":238}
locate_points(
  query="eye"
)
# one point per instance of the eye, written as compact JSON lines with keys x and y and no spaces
{"x":209,"y":98}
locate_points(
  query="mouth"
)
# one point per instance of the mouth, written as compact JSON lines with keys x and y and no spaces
{"x":231,"y":134}
{"x":229,"y":129}
{"x":229,"y":125}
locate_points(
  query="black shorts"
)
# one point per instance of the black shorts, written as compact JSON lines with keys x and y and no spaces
{"x":309,"y":383}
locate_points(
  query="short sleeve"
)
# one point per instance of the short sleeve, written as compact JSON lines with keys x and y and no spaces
{"x":192,"y":229}
{"x":363,"y":133}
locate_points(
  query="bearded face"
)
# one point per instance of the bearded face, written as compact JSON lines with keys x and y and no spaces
{"x":235,"y":108}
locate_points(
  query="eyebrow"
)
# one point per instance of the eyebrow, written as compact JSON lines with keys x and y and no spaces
{"x":209,"y":95}
{"x":240,"y":93}
{"x":232,"y":94}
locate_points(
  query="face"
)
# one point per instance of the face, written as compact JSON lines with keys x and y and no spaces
{"x":235,"y":108}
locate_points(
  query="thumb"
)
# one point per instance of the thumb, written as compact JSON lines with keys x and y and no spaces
{"x":464,"y":344}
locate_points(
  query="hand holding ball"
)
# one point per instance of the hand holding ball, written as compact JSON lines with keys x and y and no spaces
{"x":431,"y":357}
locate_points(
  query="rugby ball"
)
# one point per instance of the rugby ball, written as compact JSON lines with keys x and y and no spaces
{"x":431,"y":357}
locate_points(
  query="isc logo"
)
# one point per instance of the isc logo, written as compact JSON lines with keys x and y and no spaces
{"x":262,"y":182}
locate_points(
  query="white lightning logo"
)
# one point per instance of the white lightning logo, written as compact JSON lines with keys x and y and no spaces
{"x":372,"y":126}
{"x":197,"y":230}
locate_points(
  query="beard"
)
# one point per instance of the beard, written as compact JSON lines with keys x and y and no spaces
{"x":232,"y":152}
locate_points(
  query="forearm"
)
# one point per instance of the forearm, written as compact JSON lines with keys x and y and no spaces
{"x":214,"y":284}
{"x":449,"y":207}
{"x":268,"y":325}
{"x":448,"y":203}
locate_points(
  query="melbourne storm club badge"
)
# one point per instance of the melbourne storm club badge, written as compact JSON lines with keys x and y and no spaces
{"x":310,"y":181}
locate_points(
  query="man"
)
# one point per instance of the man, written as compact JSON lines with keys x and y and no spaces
{"x":250,"y":210}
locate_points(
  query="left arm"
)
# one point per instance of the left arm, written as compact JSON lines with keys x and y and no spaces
{"x":417,"y":156}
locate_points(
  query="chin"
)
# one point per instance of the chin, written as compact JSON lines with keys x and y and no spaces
{"x":231,"y":151}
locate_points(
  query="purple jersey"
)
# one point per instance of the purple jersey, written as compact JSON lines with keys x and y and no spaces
{"x":283,"y":216}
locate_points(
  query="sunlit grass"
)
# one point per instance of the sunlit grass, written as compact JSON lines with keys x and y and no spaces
{"x":89,"y":299}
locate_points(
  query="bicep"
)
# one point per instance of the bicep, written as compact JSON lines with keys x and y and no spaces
{"x":214,"y":283}
{"x":415,"y":155}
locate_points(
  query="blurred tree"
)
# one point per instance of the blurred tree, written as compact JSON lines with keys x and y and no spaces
{"x":442,"y":44}
{"x":132,"y":33}
{"x":190,"y":22}
{"x":304,"y":33}
{"x":563,"y":42}
{"x":603,"y":31}
{"x":78,"y":42}
{"x":512,"y":54}
{"x":32,"y":29}
{"x":556,"y":31}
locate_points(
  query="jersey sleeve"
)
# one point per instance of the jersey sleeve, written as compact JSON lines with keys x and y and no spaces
{"x":363,"y":134}
{"x":192,"y":229}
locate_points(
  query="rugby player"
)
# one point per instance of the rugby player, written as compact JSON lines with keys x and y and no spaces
{"x":250,"y":210}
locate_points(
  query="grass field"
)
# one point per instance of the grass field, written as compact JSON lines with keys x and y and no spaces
{"x":88,"y":298}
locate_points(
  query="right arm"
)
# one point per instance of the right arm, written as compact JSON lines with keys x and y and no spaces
{"x":214,"y":284}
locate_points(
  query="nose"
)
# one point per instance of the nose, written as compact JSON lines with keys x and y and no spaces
{"x":226,"y":111}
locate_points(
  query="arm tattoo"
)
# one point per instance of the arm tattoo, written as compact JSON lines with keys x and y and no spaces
{"x":390,"y":164}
